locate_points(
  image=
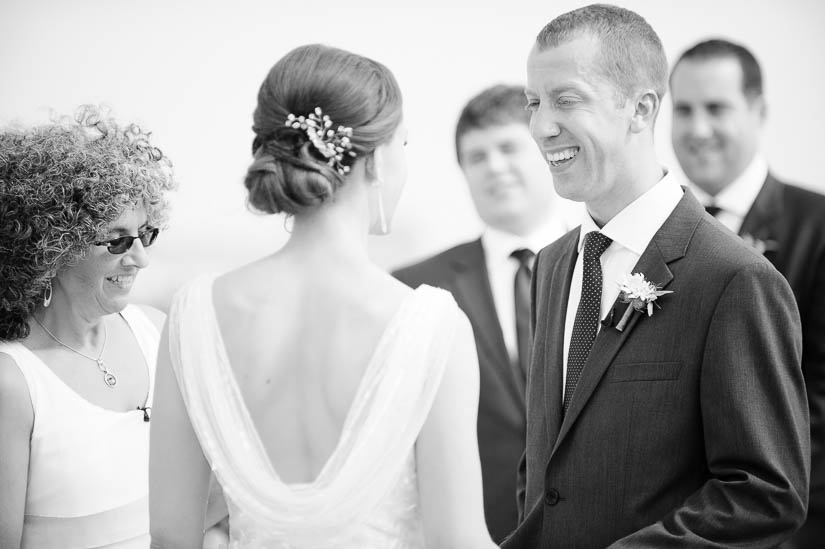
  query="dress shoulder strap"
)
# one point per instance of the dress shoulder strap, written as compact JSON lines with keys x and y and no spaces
{"x":146,"y":332}
{"x":148,"y":338}
{"x":29,"y":366}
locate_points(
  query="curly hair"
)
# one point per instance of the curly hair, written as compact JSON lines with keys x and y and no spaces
{"x":61,"y":185}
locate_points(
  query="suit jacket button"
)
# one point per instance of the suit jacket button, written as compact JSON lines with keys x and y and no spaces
{"x":552,"y":497}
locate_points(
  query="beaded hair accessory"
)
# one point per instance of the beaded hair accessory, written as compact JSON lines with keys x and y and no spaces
{"x":332,"y":144}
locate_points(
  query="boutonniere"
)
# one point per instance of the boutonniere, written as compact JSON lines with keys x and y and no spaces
{"x":760,"y":246}
{"x":641,"y":294}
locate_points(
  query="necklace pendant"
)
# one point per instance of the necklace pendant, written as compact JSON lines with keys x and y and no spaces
{"x":109,"y":379}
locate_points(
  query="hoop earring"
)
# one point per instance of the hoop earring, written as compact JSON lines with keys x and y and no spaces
{"x":47,"y":294}
{"x":288,"y":229}
{"x":382,"y":217}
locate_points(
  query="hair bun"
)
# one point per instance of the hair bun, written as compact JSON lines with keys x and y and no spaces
{"x":278,"y":180}
{"x":317,"y":109}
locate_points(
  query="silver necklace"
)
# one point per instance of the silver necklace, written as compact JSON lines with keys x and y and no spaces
{"x":108,"y":377}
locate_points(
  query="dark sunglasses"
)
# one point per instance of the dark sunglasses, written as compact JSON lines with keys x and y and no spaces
{"x":121,"y":244}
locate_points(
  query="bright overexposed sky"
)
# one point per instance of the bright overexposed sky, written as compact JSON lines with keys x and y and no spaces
{"x":190,"y":71}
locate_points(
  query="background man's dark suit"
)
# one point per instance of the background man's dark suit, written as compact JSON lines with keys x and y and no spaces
{"x":687,"y":429}
{"x":501,"y":421}
{"x":718,"y":149}
{"x":789,"y":222}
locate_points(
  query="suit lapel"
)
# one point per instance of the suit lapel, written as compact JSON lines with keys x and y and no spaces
{"x":472,"y":286}
{"x":669,"y":244}
{"x":562,"y":273}
{"x":763,"y":225}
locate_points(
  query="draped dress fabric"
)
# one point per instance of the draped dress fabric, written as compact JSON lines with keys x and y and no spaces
{"x":88,"y":480}
{"x":366,"y":495}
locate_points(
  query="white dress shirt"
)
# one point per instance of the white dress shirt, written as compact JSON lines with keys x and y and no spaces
{"x":501,"y":268}
{"x":736,"y":199}
{"x":631,"y":229}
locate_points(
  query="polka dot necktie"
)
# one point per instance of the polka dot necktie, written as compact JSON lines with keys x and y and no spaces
{"x":586,"y":323}
{"x":521,"y":286}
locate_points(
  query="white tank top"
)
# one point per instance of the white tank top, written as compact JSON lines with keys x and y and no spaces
{"x":88,"y":480}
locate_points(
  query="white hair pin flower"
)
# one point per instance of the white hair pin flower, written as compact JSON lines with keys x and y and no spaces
{"x":333,"y":144}
{"x":640,"y":293}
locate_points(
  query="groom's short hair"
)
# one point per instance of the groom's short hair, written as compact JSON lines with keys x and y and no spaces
{"x":632,"y":55}
{"x":494,"y":106}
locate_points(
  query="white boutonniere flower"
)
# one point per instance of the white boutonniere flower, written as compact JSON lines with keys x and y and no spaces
{"x":640,"y":293}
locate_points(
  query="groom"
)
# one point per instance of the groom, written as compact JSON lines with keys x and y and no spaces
{"x":687,"y":427}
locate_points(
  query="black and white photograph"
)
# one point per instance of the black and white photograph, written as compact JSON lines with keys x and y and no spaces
{"x":429,"y":275}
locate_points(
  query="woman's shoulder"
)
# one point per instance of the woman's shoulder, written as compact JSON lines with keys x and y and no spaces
{"x":434,"y":314}
{"x":193,"y":289}
{"x":440,"y":301}
{"x":15,"y":358}
{"x":434,"y":293}
{"x":15,"y":397}
{"x":10,"y":374}
{"x":247,"y":285}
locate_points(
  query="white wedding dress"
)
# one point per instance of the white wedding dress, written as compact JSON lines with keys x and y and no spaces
{"x":366,"y":495}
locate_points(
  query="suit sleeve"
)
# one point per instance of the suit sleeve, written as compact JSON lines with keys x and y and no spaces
{"x":755,"y":422}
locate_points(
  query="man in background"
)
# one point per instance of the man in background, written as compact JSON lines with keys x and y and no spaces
{"x":718,"y":116}
{"x":489,"y":277}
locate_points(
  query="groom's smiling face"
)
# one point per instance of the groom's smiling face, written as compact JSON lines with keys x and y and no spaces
{"x":579,"y":120}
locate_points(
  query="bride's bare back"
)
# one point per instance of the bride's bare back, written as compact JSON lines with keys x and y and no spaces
{"x":298,"y":340}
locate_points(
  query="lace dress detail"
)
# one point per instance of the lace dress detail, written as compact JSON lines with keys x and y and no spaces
{"x":366,"y":495}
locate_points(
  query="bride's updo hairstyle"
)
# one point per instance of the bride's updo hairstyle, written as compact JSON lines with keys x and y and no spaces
{"x":289,"y":173}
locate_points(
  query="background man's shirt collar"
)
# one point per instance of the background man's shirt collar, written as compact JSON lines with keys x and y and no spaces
{"x":738,"y":197}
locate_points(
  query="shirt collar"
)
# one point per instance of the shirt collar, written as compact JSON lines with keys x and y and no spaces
{"x":738,"y":197}
{"x":498,"y":244}
{"x":635,"y":226}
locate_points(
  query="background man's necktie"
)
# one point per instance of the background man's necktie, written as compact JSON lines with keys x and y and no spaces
{"x":712,"y":210}
{"x":522,"y":302}
{"x":586,"y":323}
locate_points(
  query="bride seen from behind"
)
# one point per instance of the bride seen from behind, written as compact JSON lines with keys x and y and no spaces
{"x":336,"y":406}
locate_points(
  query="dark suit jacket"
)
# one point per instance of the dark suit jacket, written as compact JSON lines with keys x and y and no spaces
{"x":688,"y":428}
{"x":790,"y":221}
{"x":501,"y":423}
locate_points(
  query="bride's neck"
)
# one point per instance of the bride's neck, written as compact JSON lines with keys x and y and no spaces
{"x":338,"y":228}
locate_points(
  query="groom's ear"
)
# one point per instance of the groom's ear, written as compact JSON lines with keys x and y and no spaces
{"x":645,"y":108}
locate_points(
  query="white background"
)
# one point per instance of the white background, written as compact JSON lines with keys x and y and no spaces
{"x":190,"y":70}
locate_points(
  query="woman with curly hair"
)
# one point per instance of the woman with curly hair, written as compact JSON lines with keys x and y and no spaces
{"x":80,"y":201}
